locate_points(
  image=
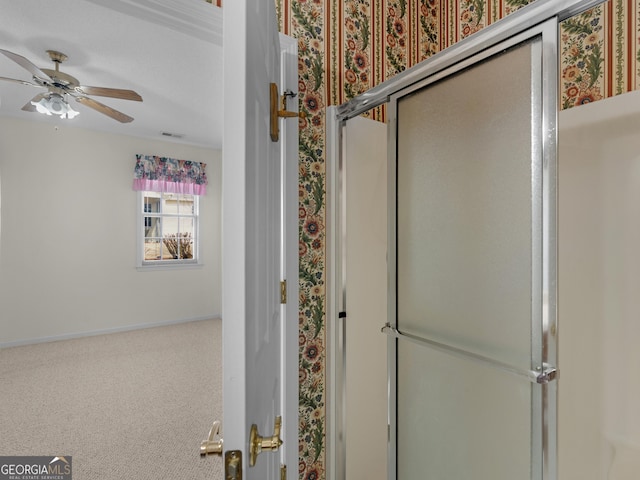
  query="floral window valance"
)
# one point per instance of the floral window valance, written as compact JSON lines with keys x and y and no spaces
{"x":163,"y":174}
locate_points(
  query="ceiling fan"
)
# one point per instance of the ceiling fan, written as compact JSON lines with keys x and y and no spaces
{"x":59,"y":85}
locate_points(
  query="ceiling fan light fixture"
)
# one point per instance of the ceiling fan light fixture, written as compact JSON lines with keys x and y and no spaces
{"x":55,"y":104}
{"x":41,"y":106}
{"x":70,"y":113}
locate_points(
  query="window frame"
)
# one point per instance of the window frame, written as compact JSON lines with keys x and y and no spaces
{"x":141,"y":263}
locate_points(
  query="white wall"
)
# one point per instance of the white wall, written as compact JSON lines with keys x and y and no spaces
{"x":68,"y":236}
{"x":599,"y":285}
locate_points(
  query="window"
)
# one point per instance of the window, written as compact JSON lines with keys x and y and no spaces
{"x":168,"y":191}
{"x":169,"y":228}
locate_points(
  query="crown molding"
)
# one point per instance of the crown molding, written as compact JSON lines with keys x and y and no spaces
{"x":196,"y":18}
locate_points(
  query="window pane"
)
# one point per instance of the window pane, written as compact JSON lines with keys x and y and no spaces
{"x":186,"y":225}
{"x":186,"y":246}
{"x":169,"y":203}
{"x":170,"y":226}
{"x":178,"y":245}
{"x":152,"y":227}
{"x":152,"y":249}
{"x":169,"y":248}
{"x":173,"y":203}
{"x":187,"y":198}
{"x":151,"y":203}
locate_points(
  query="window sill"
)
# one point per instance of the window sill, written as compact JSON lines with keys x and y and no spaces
{"x":169,"y":266}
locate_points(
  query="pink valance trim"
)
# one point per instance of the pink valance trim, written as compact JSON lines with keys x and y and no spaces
{"x":169,"y":187}
{"x":171,"y":175}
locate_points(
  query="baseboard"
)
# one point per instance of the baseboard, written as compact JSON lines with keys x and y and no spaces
{"x":106,"y":331}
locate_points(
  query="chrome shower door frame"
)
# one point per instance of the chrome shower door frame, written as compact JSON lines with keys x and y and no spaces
{"x":542,"y":373}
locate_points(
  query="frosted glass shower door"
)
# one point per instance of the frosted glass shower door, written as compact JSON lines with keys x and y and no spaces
{"x":474,"y":238}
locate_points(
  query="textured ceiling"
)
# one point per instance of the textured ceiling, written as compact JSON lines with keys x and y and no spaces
{"x":169,"y":51}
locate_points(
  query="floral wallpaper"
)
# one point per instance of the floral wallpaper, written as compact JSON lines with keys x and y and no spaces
{"x":600,"y":53}
{"x":348,"y":46}
{"x":582,"y":59}
{"x":308,"y":19}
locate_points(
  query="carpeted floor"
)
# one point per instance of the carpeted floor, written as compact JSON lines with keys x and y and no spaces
{"x":132,"y":405}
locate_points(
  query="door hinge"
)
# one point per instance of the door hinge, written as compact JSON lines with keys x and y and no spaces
{"x":283,"y":472}
{"x":283,"y":291}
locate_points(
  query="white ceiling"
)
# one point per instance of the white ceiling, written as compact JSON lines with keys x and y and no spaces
{"x":169,"y":51}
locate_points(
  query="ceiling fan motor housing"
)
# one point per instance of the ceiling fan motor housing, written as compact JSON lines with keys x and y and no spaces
{"x":60,"y":79}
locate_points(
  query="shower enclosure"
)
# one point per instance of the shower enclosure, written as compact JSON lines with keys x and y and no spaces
{"x":471,"y":260}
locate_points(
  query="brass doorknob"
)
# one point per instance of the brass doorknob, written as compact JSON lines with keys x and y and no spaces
{"x":259,"y":444}
{"x":211,"y":446}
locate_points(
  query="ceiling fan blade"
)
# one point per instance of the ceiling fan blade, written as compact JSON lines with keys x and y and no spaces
{"x":26,"y":64}
{"x":100,"y":107}
{"x":109,"y":92}
{"x":23,"y":82}
{"x":29,"y":107}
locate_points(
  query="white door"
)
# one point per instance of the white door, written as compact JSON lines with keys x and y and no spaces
{"x":254,"y":333}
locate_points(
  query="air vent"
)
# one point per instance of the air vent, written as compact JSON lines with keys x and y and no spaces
{"x":172,"y":135}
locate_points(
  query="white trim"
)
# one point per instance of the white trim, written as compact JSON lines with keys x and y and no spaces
{"x":166,"y":266}
{"x":289,"y":254}
{"x":106,"y":331}
{"x":334,"y":387}
{"x":234,"y":205}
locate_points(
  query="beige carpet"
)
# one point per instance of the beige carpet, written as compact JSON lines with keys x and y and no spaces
{"x":131,"y":405}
